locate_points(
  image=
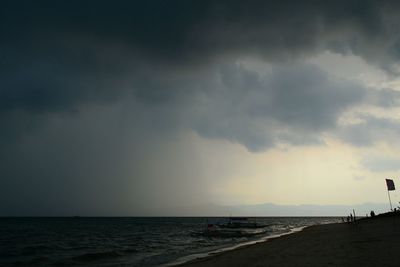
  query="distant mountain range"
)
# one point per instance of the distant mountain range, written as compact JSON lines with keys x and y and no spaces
{"x":270,"y":209}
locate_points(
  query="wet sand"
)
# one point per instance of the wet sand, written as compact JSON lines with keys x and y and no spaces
{"x":371,"y":242}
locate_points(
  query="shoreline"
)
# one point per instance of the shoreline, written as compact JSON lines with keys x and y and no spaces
{"x":182,"y":261}
{"x":368,"y":242}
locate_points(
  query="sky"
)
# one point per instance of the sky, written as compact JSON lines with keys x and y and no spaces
{"x":175,"y":107}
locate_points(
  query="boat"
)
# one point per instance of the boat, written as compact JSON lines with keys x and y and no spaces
{"x":240,"y":222}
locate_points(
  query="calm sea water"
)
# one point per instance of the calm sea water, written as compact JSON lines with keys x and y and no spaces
{"x":122,"y":241}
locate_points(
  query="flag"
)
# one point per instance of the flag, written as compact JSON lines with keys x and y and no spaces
{"x":390,"y":184}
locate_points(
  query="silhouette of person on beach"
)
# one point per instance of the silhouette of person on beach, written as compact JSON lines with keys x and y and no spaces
{"x":372,"y":213}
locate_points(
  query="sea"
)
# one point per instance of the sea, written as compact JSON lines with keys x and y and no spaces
{"x":128,"y":241}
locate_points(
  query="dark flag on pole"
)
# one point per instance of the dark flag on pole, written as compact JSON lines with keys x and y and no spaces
{"x":390,"y":184}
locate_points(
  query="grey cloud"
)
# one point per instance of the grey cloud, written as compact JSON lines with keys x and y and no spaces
{"x":262,"y":109}
{"x":306,"y":97}
{"x":385,"y":97}
{"x":301,"y":138}
{"x":225,"y":101}
{"x":369,"y":130}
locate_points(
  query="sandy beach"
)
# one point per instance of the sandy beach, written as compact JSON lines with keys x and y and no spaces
{"x":370,"y":242}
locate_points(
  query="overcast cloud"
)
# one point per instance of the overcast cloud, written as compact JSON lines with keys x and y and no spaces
{"x":94,"y":95}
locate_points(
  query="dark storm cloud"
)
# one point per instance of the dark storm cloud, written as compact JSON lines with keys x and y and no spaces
{"x":171,"y":55}
{"x":94,"y":93}
{"x":58,"y":54}
{"x":186,"y":31}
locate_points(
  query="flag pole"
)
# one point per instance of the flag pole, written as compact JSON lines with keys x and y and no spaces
{"x":390,"y":201}
{"x":390,"y":187}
